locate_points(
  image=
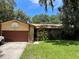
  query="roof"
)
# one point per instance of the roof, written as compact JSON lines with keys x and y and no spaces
{"x":48,"y":25}
{"x":15,"y":20}
{"x":20,"y":21}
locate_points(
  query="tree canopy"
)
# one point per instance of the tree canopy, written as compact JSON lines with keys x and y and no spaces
{"x":6,"y":9}
{"x":42,"y":18}
{"x":45,"y":19}
{"x":70,"y":17}
{"x":19,"y":14}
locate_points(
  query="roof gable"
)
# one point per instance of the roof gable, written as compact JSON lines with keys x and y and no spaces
{"x":15,"y":25}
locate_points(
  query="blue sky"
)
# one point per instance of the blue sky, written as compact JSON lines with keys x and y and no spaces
{"x":32,"y":7}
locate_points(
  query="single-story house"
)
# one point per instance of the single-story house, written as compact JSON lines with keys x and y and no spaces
{"x":20,"y":31}
{"x":17,"y":30}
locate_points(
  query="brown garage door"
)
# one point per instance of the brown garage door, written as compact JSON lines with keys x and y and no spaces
{"x":15,"y":36}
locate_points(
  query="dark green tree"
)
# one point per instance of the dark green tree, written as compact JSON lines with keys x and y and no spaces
{"x":55,"y":19}
{"x":6,"y":9}
{"x":70,"y":17}
{"x":45,"y":19}
{"x":41,"y":19}
{"x":19,"y":14}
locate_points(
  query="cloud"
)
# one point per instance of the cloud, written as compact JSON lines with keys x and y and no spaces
{"x":35,"y":1}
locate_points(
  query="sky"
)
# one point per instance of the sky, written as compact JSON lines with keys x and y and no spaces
{"x":32,"y":7}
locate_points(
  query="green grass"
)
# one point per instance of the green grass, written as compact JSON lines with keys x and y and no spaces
{"x":52,"y":50}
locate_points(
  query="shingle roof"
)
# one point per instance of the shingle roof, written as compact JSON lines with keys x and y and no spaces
{"x":48,"y":25}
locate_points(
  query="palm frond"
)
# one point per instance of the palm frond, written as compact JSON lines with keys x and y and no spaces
{"x":46,"y":4}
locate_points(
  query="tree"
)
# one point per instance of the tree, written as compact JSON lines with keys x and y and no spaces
{"x":42,"y":18}
{"x":45,"y":19}
{"x":46,"y":3}
{"x":6,"y":9}
{"x":70,"y":17}
{"x":55,"y":19}
{"x":19,"y":14}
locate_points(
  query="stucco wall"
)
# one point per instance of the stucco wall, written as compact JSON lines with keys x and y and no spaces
{"x":31,"y":33}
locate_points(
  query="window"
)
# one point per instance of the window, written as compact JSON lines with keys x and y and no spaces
{"x":14,"y":25}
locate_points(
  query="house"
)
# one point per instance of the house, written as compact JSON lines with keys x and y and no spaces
{"x":17,"y":31}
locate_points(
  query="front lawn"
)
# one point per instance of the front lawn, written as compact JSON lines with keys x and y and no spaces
{"x":52,"y":50}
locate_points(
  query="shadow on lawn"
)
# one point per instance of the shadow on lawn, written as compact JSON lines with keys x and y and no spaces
{"x":63,"y":42}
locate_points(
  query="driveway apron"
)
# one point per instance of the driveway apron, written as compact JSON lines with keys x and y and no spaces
{"x":12,"y":50}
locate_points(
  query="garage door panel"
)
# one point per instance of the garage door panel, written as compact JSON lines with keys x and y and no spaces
{"x":16,"y":36}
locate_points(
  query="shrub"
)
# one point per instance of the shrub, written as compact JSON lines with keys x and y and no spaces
{"x":42,"y":34}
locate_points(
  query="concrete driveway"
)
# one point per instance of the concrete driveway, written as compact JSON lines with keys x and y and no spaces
{"x":12,"y":50}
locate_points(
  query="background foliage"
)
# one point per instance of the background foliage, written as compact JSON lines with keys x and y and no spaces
{"x":45,"y":19}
